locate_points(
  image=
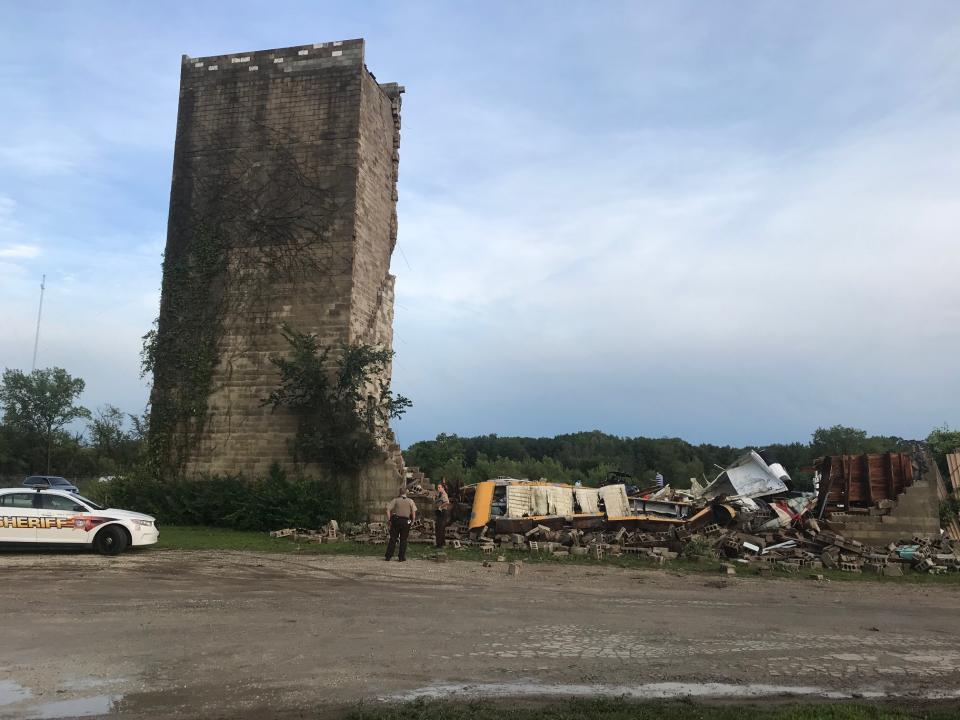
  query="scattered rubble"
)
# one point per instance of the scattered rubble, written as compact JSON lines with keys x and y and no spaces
{"x":747,"y":519}
{"x":881,"y":497}
{"x":793,"y":550}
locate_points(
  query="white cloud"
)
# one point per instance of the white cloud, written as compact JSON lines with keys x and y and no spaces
{"x":33,"y":151}
{"x":7,"y":206}
{"x":22,"y":252}
{"x":629,"y":218}
{"x":782,"y":288}
{"x":12,"y":250}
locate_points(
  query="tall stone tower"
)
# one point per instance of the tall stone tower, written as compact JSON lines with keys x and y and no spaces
{"x":282,"y":210}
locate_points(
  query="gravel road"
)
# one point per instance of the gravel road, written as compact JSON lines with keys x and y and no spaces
{"x":230,"y":634}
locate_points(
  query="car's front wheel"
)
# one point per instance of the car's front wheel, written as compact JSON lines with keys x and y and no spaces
{"x":112,"y":540}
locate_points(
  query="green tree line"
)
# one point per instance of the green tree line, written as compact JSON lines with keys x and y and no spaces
{"x":39,"y":414}
{"x":587,"y":457}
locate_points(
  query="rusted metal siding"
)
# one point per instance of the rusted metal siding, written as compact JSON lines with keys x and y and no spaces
{"x":863,"y":480}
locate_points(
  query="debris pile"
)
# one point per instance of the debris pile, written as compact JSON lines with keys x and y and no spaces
{"x":373,"y":533}
{"x":329,"y":533}
{"x":793,"y":550}
{"x":377,"y":533}
{"x":748,"y":517}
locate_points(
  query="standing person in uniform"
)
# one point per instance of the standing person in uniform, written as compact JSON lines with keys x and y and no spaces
{"x":442,"y":513}
{"x":401,"y":513}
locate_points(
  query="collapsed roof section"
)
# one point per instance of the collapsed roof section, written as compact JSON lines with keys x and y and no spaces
{"x":750,"y":476}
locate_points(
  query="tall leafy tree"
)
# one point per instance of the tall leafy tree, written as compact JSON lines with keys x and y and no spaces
{"x":838,"y":440}
{"x":106,"y":430}
{"x":943,"y":440}
{"x":42,"y":402}
{"x":116,"y":449}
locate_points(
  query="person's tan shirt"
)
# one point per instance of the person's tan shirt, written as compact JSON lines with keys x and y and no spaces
{"x":401,"y":507}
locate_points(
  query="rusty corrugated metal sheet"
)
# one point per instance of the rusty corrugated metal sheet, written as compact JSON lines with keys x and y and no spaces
{"x":863,"y":480}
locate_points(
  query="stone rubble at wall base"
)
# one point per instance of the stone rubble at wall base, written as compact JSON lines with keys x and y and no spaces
{"x":791,"y":551}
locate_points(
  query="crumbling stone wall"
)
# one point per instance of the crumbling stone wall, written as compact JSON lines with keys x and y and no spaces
{"x":283,"y":209}
{"x":914,"y":513}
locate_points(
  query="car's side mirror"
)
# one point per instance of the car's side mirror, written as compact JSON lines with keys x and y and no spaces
{"x":79,"y":508}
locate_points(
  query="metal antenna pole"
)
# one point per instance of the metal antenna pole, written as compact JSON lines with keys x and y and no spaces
{"x":36,"y":338}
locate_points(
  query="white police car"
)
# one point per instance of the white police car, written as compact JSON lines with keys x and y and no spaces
{"x":44,"y":516}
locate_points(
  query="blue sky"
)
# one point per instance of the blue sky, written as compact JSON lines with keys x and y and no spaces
{"x":730,"y":222}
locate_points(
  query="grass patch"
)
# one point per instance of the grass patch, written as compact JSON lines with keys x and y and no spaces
{"x":173,"y":537}
{"x":622,"y":709}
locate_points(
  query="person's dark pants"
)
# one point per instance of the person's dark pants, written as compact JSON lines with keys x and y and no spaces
{"x":441,"y":525}
{"x":399,"y":530}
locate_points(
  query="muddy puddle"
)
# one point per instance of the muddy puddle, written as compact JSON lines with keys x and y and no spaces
{"x":17,"y":701}
{"x":11,"y":692}
{"x":78,"y":707}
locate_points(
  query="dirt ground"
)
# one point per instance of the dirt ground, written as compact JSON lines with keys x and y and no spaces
{"x":230,"y":634}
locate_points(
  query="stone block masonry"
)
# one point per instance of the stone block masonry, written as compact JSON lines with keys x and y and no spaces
{"x":915,"y":513}
{"x":282,"y":209}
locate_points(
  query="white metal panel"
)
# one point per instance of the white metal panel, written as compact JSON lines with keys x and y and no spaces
{"x":519,"y":502}
{"x":615,"y":500}
{"x":588,"y":499}
{"x":749,"y":476}
{"x":561,"y":500}
{"x":540,"y":500}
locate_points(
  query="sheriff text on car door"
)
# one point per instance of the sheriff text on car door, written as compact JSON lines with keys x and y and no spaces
{"x":19,"y":518}
{"x":61,"y":520}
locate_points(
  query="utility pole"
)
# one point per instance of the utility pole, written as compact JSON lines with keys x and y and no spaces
{"x":36,"y":338}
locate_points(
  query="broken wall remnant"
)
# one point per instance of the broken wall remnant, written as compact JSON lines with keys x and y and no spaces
{"x":880,"y":497}
{"x":282,"y":211}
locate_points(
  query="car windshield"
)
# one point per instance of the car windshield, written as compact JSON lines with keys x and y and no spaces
{"x":91,"y":503}
{"x":45,"y":480}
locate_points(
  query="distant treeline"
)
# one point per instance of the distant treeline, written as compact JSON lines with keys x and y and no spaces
{"x":37,"y":408}
{"x":589,"y":456}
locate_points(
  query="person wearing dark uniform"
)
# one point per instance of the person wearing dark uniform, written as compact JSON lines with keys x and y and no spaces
{"x":442,"y":513}
{"x":401,"y":513}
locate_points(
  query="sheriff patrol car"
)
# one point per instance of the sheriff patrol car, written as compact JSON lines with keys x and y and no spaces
{"x":44,"y":516}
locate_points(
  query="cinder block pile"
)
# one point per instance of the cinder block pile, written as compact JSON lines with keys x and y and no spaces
{"x":790,"y":550}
